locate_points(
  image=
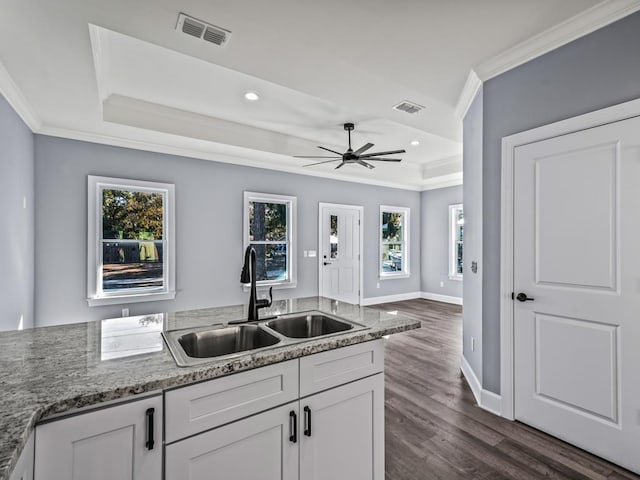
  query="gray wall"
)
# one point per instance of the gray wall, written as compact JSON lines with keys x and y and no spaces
{"x":435,"y":241}
{"x":16,"y":234}
{"x":597,"y":71}
{"x":472,"y":295}
{"x":208,"y":226}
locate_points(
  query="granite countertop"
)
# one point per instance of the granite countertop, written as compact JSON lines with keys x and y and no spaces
{"x":50,"y":370}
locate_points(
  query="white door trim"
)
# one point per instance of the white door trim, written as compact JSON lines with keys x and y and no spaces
{"x":360,"y":210}
{"x":597,"y":118}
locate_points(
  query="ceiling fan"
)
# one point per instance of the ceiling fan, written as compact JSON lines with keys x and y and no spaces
{"x":358,"y":156}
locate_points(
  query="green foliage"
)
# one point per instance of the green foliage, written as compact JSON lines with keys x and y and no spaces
{"x":132,"y":215}
{"x":267,"y":221}
{"x":391,"y":227}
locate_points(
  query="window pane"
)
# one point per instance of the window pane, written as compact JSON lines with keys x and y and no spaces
{"x":392,"y":227}
{"x":271,"y":261}
{"x":132,"y":215}
{"x":459,"y":258}
{"x":132,"y":265}
{"x":392,"y":257}
{"x":333,"y":237}
{"x":267,"y":222}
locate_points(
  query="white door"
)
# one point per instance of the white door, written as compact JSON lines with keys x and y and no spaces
{"x":108,"y":444}
{"x":343,"y":432}
{"x":263,"y":446}
{"x":577,"y":256}
{"x":340,"y":252}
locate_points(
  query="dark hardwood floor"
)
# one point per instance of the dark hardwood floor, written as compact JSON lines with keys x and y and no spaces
{"x":435,"y":430}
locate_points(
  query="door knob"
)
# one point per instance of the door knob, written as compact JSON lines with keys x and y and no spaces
{"x":522,"y":297}
{"x":326,"y":263}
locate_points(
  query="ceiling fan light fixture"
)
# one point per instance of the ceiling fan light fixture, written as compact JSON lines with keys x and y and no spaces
{"x":252,"y":96}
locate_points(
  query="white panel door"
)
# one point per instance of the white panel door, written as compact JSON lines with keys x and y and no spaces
{"x":107,"y":444}
{"x":343,"y":432}
{"x":264,"y":447}
{"x":340,"y":253}
{"x":577,"y":258}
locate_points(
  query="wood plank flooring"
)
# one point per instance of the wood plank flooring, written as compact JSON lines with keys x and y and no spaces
{"x":434,"y":430}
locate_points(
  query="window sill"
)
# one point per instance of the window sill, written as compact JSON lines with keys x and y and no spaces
{"x":457,"y":278}
{"x":276,"y":286}
{"x":394,"y":276}
{"x":121,"y":299}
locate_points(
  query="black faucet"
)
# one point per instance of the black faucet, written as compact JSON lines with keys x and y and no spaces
{"x":249,"y":275}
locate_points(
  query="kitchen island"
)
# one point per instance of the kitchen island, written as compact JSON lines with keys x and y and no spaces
{"x":51,"y":371}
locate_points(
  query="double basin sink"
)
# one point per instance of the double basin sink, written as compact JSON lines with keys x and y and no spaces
{"x":199,"y":345}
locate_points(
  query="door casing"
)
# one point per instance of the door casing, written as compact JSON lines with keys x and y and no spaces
{"x":597,"y":118}
{"x":360,"y":210}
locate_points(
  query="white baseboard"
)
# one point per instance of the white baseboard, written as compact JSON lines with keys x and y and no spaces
{"x":441,"y":298}
{"x":492,"y":402}
{"x":390,"y":298}
{"x":485,"y":399}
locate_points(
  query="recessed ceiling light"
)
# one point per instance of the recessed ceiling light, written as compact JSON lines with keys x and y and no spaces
{"x":415,"y":143}
{"x":252,"y":96}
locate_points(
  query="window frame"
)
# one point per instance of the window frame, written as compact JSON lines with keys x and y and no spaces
{"x":95,"y":295}
{"x":291,"y":202}
{"x":406,"y":213}
{"x":453,"y":273}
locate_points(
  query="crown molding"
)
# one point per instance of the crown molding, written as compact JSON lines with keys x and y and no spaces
{"x":596,"y":17}
{"x":443,"y":181}
{"x":579,"y":25}
{"x":17,"y":100}
{"x":245,"y":160}
{"x":468,"y":93}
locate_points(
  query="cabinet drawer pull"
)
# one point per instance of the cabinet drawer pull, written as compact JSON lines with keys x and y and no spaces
{"x":150,"y":441}
{"x":293,"y":426}
{"x":307,"y":421}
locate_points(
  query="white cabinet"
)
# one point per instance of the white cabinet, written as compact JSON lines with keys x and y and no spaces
{"x":122,"y":442}
{"x":334,"y":430}
{"x":259,"y":447}
{"x":24,"y":467}
{"x":343,"y":432}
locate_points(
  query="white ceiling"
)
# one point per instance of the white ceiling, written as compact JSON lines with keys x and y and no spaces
{"x":118,"y":72}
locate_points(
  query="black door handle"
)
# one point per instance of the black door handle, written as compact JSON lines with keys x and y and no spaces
{"x":326,"y":263}
{"x":307,"y":421}
{"x":293,"y":426}
{"x":150,"y":441}
{"x":522,"y":297}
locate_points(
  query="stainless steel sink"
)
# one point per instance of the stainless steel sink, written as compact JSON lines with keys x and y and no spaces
{"x":308,"y":325}
{"x":212,"y":342}
{"x":199,"y":345}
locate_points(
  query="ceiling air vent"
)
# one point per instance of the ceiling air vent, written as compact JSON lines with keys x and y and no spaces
{"x":205,"y":31}
{"x":408,"y":107}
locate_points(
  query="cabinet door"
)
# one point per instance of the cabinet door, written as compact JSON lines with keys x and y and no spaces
{"x":106,"y":444}
{"x":258,"y":447}
{"x":24,"y":467}
{"x":343,"y":432}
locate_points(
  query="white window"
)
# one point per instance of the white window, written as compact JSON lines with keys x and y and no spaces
{"x":456,"y":241}
{"x":270,"y":228}
{"x":394,"y":242}
{"x":131,"y":251}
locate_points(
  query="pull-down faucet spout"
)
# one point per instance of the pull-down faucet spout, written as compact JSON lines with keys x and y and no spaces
{"x":248,"y":275}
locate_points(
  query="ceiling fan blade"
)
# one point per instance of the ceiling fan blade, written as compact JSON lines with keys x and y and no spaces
{"x":312,"y":156}
{"x":363,"y":149}
{"x":377,"y":154}
{"x":373,"y":159}
{"x":365,"y":164}
{"x":320,"y":163}
{"x":329,"y":150}
{"x":342,"y":164}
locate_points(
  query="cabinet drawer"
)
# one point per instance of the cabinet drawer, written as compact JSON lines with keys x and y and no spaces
{"x":196,"y":408}
{"x":335,"y":367}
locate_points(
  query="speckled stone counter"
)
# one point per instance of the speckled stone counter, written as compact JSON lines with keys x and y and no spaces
{"x":51,"y":370}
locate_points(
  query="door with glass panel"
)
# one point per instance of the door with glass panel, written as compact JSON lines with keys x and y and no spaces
{"x":339,"y":259}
